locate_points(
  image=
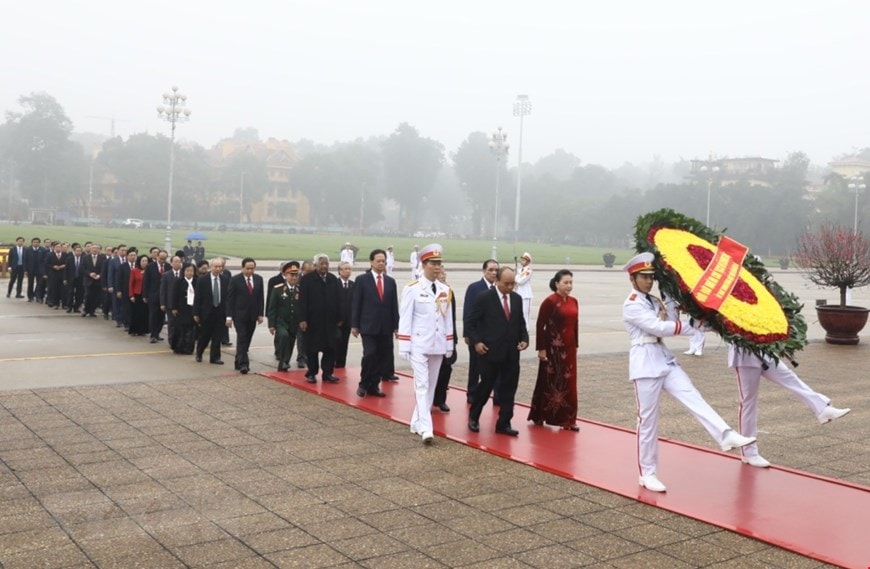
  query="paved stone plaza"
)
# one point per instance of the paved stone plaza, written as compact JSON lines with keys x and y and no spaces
{"x":116,"y":453}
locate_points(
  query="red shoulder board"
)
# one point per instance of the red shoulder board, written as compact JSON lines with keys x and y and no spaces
{"x":633,"y":296}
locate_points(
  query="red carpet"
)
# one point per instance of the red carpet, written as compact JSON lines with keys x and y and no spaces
{"x":819,"y":517}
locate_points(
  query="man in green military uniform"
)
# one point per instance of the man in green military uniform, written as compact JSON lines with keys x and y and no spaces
{"x":282,"y":313}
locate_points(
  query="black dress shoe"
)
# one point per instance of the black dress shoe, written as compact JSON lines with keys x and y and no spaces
{"x":361,"y":392}
{"x":377,"y":393}
{"x":69,"y":310}
{"x":92,"y":315}
{"x":330,"y":379}
{"x":199,"y":358}
{"x":300,"y":365}
{"x":507,"y":431}
{"x":444,"y":408}
{"x":159,"y":338}
{"x":310,"y":378}
{"x":393,"y":377}
{"x":283,"y":367}
{"x":226,"y":343}
{"x":217,"y":362}
{"x":473,"y":426}
{"x":153,"y":340}
{"x":244,"y":370}
{"x":19,"y":296}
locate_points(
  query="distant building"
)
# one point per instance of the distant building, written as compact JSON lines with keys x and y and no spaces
{"x":848,"y":166}
{"x":754,"y":170}
{"x":281,"y":204}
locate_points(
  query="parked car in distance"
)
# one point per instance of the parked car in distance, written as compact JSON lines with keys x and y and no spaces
{"x":133,"y":222}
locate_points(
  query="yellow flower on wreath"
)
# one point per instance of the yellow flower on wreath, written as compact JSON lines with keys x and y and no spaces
{"x":764,"y":320}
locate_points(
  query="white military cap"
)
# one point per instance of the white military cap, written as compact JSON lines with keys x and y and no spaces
{"x":431,"y":252}
{"x":640,"y":263}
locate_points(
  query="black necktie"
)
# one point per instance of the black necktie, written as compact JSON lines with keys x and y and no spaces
{"x":650,"y":300}
{"x":433,"y":288}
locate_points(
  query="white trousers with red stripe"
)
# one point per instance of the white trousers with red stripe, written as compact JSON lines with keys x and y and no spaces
{"x":648,"y":393}
{"x":426,"y":369}
{"x":748,"y":381}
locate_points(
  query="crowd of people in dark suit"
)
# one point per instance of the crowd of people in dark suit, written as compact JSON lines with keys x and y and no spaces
{"x":308,"y":308}
{"x":141,"y":292}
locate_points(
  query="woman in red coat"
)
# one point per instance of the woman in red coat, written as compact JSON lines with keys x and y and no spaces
{"x":555,"y":398}
{"x":138,"y":308}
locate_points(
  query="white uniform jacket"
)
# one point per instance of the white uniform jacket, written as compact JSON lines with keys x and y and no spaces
{"x":524,"y":282}
{"x":425,"y":319}
{"x":647,"y":325}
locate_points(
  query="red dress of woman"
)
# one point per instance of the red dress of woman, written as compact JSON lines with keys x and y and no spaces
{"x":555,"y":398}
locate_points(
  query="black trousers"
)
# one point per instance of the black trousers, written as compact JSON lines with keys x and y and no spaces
{"x":244,"y":333}
{"x":508,"y":372}
{"x":75,"y":292}
{"x":376,"y":349}
{"x":93,"y":297}
{"x":32,"y":284}
{"x":155,"y":317}
{"x":16,"y":277}
{"x":41,"y":285}
{"x":444,"y":375}
{"x":301,"y":354}
{"x":473,"y":373}
{"x":327,"y":363}
{"x":343,"y":335}
{"x":210,"y":333}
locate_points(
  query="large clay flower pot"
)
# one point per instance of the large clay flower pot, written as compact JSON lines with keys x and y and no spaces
{"x":842,"y":323}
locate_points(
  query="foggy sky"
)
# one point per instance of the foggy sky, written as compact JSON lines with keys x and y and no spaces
{"x":609,"y":81}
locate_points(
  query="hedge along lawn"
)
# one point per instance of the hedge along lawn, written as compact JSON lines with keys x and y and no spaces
{"x":285,"y":246}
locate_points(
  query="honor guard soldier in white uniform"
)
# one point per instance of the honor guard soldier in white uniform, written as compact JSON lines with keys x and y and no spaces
{"x":524,"y":286}
{"x":653,"y":368}
{"x":415,"y":263}
{"x":346,"y":254}
{"x":426,"y":335}
{"x":750,"y":369}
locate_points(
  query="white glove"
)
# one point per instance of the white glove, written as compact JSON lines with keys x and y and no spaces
{"x":448,"y":355}
{"x":405,"y":355}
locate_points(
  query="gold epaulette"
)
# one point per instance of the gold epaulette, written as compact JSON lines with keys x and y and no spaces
{"x":279,"y":285}
{"x":412,"y":283}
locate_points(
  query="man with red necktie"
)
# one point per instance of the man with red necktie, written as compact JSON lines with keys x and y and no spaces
{"x":245,"y":309}
{"x":375,"y":316}
{"x":496,"y":329}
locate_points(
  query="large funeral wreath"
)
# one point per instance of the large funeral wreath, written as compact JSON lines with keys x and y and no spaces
{"x":758,"y":314}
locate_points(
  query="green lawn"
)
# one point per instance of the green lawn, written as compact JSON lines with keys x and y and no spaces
{"x":275,"y":246}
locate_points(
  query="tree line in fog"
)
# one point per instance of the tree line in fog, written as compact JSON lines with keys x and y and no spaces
{"x":404,"y":182}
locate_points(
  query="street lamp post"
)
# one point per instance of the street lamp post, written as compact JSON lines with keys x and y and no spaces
{"x":242,"y":199}
{"x":499,"y":147}
{"x":522,"y":108}
{"x":856,"y":183}
{"x":90,"y":189}
{"x":174,"y":111}
{"x":710,"y":172}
